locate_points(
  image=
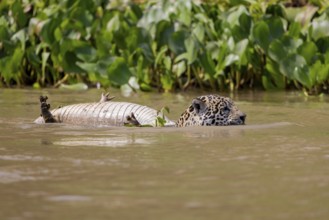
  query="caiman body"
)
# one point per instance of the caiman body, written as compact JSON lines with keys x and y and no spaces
{"x":206,"y":110}
{"x":105,"y":113}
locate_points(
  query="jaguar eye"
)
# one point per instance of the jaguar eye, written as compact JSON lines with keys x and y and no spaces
{"x":226,"y":109}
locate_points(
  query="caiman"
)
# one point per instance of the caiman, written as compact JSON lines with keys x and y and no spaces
{"x":206,"y":110}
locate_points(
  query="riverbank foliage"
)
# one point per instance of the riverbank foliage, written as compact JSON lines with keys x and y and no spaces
{"x":168,"y":45}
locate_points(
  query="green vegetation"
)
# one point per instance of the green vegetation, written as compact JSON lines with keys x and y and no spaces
{"x":165,"y":44}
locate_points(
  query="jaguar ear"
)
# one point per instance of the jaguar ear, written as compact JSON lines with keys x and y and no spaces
{"x":198,"y":105}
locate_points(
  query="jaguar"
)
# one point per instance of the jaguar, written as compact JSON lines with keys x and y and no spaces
{"x":211,"y":110}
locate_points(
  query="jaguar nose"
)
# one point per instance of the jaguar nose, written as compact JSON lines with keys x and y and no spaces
{"x":243,"y":117}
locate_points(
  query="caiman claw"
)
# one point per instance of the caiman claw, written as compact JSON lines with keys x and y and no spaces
{"x":45,"y":113}
{"x":106,"y":97}
{"x":132,"y":121}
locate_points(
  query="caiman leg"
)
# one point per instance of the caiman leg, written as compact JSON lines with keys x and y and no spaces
{"x":45,"y":113}
{"x":106,"y":97}
{"x":132,"y":121}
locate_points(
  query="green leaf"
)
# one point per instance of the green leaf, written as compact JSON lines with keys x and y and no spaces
{"x":245,"y":22}
{"x":103,"y":64}
{"x":320,"y":29}
{"x":326,"y":57}
{"x":5,"y":69}
{"x":230,"y":59}
{"x":145,"y":87}
{"x":166,"y":81}
{"x":294,"y":67}
{"x":141,"y":71}
{"x":273,"y":76}
{"x":18,"y":14}
{"x":267,"y":83}
{"x":202,"y":17}
{"x":289,"y":65}
{"x":302,"y":74}
{"x":242,"y":29}
{"x":81,"y":13}
{"x":154,"y":14}
{"x":48,"y":29}
{"x":207,"y":63}
{"x":176,"y":42}
{"x":199,"y":32}
{"x":277,"y":51}
{"x":319,"y":72}
{"x":185,"y":15}
{"x":16,"y":60}
{"x":323,"y":74}
{"x":160,"y":55}
{"x":290,"y":44}
{"x":281,"y":48}
{"x":179,"y":68}
{"x":192,"y":48}
{"x":32,"y":57}
{"x":167,"y":63}
{"x":276,"y":27}
{"x":240,"y":50}
{"x":165,"y":109}
{"x":261,"y":33}
{"x":213,"y":48}
{"x":234,"y":15}
{"x":294,"y":29}
{"x":68,"y":62}
{"x":164,"y":30}
{"x":265,"y":32}
{"x":183,"y":56}
{"x":97,"y":72}
{"x":88,"y":67}
{"x":44,"y":56}
{"x":305,"y":14}
{"x":160,"y":121}
{"x":4,"y":29}
{"x":308,"y":50}
{"x":136,"y":10}
{"x":140,"y":38}
{"x":323,"y":45}
{"x":118,"y":72}
{"x":86,"y":53}
{"x":73,"y":51}
{"x":21,"y":37}
{"x":223,"y":52}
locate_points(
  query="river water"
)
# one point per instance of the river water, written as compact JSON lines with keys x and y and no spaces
{"x":275,"y":167}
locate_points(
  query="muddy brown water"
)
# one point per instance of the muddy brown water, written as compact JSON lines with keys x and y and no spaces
{"x":275,"y":167}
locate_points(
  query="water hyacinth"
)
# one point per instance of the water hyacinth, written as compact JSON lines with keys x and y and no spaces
{"x":165,"y":44}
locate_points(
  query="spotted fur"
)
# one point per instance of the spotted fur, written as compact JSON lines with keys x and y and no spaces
{"x":211,"y":110}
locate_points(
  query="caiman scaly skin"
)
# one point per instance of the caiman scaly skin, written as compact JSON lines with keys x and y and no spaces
{"x":103,"y":113}
{"x":207,"y":110}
